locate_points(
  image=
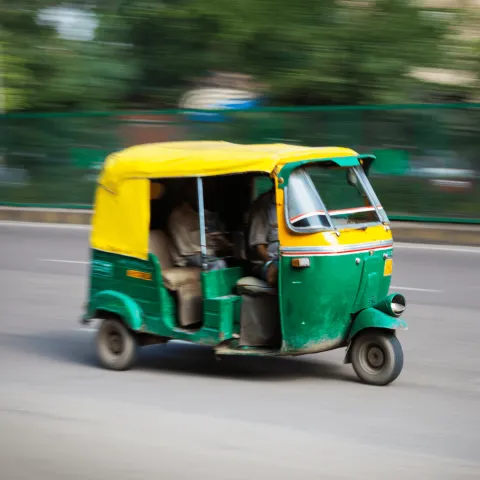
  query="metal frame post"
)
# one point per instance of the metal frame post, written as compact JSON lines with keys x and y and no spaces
{"x":201,"y":214}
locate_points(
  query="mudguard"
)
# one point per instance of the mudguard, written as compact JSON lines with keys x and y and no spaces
{"x":372,"y":318}
{"x":119,"y":304}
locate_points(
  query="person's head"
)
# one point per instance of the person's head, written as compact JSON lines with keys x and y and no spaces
{"x":157,"y":190}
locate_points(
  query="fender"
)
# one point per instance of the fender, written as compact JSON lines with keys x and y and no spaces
{"x":372,"y":318}
{"x":118,"y":303}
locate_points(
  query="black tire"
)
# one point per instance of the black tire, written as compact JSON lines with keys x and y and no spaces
{"x":377,"y":357}
{"x":116,"y":346}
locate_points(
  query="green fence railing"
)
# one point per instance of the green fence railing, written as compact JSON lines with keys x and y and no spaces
{"x":428,"y":165}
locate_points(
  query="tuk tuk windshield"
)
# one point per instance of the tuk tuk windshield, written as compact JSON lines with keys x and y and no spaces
{"x":330,"y":196}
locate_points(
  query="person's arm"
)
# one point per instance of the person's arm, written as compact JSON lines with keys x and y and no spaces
{"x":262,"y":252}
{"x":258,"y":235}
{"x":220,"y":243}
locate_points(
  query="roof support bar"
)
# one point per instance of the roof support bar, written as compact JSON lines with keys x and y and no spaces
{"x":201,"y":214}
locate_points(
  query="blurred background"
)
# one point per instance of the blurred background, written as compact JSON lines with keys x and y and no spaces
{"x":399,"y":78}
{"x":81,"y":79}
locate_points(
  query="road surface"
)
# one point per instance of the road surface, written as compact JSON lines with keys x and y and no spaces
{"x":183,"y":415}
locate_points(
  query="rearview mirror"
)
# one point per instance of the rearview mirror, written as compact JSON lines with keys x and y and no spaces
{"x":352,"y":178}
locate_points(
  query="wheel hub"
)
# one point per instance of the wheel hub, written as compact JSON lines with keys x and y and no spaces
{"x":115,"y":343}
{"x":375,"y":357}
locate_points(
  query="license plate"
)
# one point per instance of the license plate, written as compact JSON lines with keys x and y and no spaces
{"x":388,"y":267}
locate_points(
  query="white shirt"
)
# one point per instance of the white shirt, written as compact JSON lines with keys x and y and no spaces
{"x":184,"y":227}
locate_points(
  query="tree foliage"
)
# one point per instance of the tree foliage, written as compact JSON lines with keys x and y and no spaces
{"x":147,"y":52}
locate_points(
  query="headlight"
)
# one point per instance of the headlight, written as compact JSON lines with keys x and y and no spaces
{"x":398,"y":304}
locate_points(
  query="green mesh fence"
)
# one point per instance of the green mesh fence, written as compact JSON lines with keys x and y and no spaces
{"x":427,"y":168}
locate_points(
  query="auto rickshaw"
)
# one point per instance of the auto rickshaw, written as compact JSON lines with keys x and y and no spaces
{"x":334,"y":263}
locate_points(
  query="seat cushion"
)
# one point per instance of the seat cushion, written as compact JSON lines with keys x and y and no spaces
{"x":174,"y":278}
{"x":254,"y":286}
{"x":160,"y":246}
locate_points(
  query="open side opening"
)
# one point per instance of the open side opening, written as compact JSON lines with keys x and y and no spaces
{"x":175,"y":237}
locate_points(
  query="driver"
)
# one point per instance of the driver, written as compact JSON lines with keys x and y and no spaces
{"x":263,"y":244}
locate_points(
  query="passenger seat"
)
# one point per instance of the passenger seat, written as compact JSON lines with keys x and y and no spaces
{"x":185,"y":281}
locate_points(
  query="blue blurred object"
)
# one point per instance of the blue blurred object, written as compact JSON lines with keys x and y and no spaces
{"x":230,"y":105}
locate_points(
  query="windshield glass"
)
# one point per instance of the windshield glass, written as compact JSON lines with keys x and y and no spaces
{"x":321,"y":196}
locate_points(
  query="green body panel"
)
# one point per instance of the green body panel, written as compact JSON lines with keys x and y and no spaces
{"x":222,"y":314}
{"x":109,"y":273}
{"x":373,"y":318}
{"x":221,"y":306}
{"x":373,"y":285}
{"x":218,"y":283}
{"x":147,"y":306}
{"x":319,"y":302}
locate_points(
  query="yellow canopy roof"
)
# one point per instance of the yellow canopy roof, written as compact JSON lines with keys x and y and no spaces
{"x":207,"y":158}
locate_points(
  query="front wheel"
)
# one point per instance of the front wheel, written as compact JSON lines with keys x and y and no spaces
{"x":377,"y":357}
{"x":116,"y":346}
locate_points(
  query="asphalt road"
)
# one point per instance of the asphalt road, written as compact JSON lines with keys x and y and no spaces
{"x":180,"y":414}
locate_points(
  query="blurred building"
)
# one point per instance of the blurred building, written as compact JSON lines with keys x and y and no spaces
{"x":464,"y":36}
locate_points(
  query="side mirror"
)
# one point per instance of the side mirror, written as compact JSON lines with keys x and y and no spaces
{"x":352,"y":178}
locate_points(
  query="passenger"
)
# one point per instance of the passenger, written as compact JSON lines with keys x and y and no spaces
{"x":184,"y":227}
{"x":263,"y":244}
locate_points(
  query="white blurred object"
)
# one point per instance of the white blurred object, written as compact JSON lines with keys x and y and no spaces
{"x":451,"y":184}
{"x":70,"y":23}
{"x":14,"y":177}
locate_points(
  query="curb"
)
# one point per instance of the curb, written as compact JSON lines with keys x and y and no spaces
{"x":439,"y":234}
{"x":46,"y":215}
{"x":408,"y":232}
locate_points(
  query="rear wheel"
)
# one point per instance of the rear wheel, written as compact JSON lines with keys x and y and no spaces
{"x":377,"y":357}
{"x":116,"y":346}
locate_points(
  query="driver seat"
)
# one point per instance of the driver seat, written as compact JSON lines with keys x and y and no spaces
{"x":260,"y":313}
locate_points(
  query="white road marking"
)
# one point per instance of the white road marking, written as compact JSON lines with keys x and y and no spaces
{"x":81,"y":262}
{"x":86,"y":329}
{"x":415,"y":289}
{"x":438,"y":248}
